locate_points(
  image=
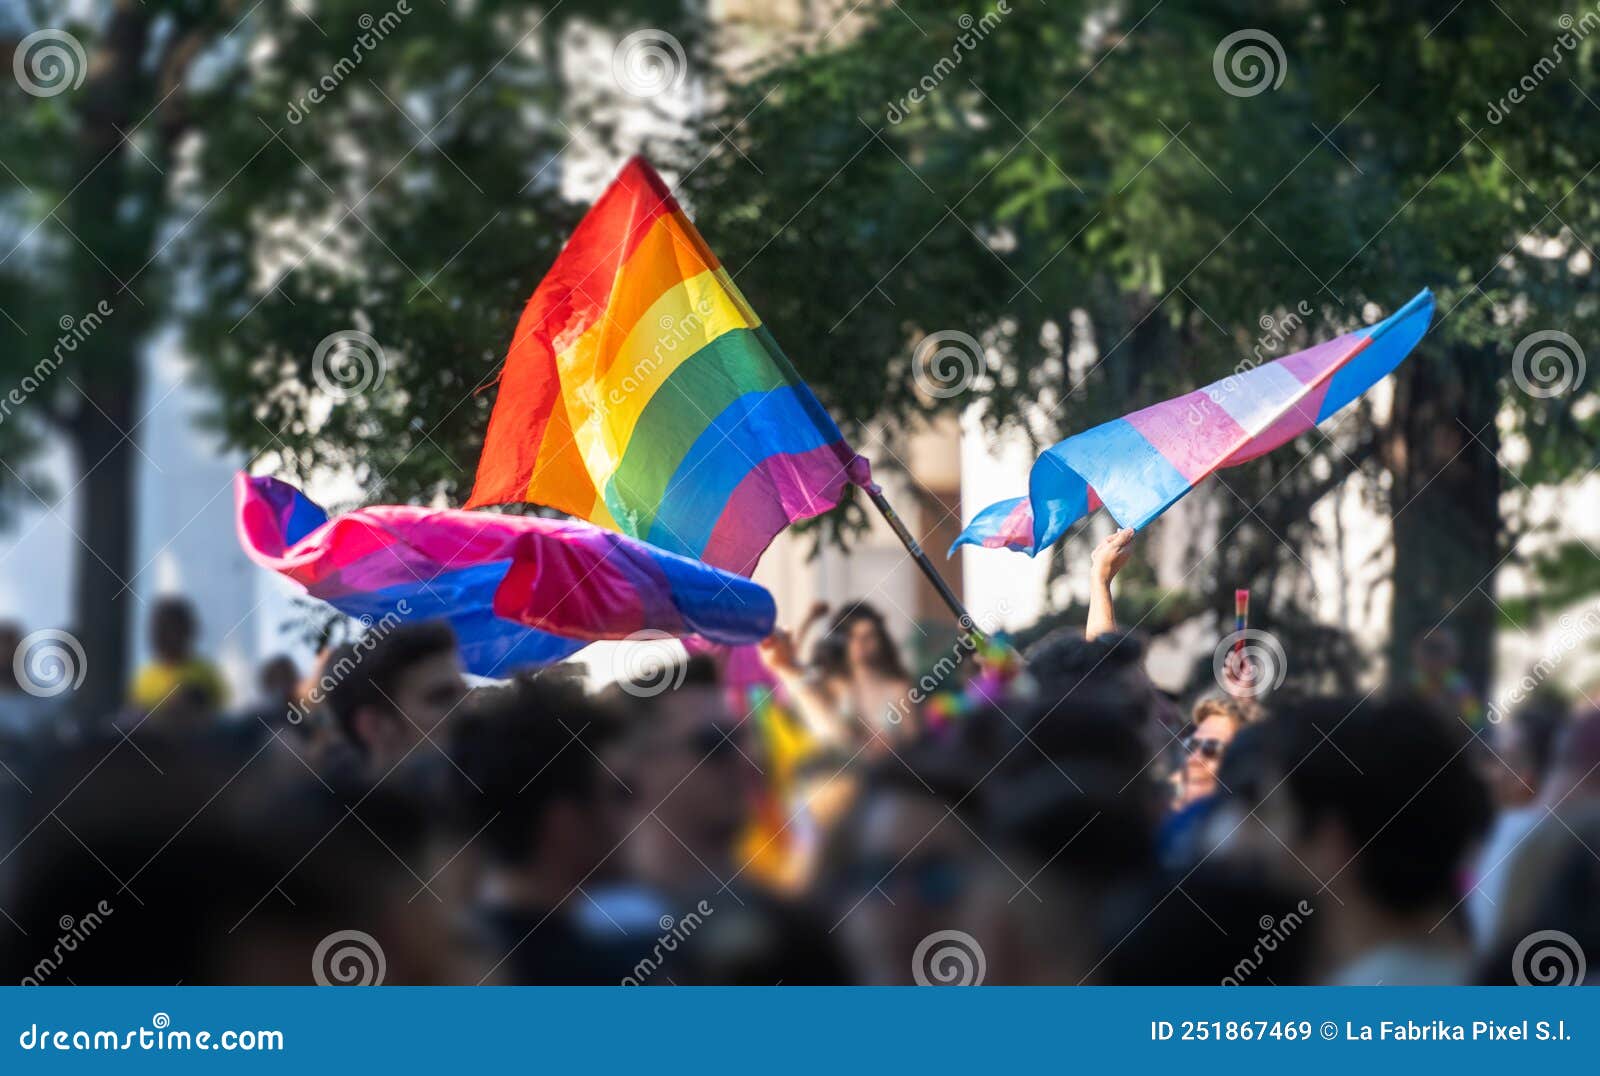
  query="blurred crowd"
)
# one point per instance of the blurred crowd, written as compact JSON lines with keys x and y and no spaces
{"x":817,"y":813}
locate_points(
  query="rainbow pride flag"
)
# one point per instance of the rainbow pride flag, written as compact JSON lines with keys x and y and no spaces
{"x":1137,"y":466}
{"x":518,"y":590}
{"x":642,"y":393}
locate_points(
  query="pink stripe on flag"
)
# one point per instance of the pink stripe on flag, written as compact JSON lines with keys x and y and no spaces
{"x":776,"y":492}
{"x":1191,"y":431}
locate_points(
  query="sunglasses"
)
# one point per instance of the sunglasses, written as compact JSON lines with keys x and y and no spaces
{"x":1207,"y":748}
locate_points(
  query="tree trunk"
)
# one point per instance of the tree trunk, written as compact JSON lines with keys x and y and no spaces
{"x":1446,"y":508}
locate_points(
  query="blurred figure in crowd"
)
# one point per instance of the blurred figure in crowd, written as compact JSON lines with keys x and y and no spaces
{"x":22,"y":712}
{"x":1521,"y":753}
{"x":1437,"y":678}
{"x":391,"y":692}
{"x":531,"y":783}
{"x":176,"y":687}
{"x":855,"y":688}
{"x":1216,"y":723}
{"x":687,"y":779}
{"x":1380,"y":805}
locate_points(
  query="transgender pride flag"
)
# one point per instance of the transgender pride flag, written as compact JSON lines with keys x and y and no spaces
{"x":1139,"y":465}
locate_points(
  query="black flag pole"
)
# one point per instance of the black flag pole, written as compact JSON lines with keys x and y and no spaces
{"x":963,"y":618}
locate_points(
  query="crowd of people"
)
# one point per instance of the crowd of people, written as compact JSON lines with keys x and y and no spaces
{"x":1045,"y":818}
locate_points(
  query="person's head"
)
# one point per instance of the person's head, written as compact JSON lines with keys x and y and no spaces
{"x":685,"y":760}
{"x":173,"y":627}
{"x":1216,"y":723}
{"x":390,"y":690}
{"x":902,"y":867}
{"x":1103,"y":676}
{"x":860,"y":639}
{"x":1524,"y":749}
{"x":531,"y":782}
{"x":278,"y":680}
{"x":1381,"y":803}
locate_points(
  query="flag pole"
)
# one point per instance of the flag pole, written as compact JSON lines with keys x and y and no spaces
{"x":963,"y":618}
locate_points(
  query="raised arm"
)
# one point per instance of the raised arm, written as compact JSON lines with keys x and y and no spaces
{"x":1107,"y":560}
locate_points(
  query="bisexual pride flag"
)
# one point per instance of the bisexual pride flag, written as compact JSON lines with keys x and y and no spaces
{"x":1137,"y":466}
{"x":518,"y":590}
{"x":641,"y":392}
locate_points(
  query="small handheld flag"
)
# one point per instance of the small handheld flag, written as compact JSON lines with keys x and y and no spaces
{"x":1140,"y":465}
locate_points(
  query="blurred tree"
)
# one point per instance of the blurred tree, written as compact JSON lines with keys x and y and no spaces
{"x":1122,"y":201}
{"x":343,"y":205}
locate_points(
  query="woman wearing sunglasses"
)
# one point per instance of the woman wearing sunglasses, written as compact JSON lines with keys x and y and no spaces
{"x":1216,"y":722}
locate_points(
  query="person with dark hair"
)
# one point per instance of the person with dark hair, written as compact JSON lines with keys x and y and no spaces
{"x":1517,"y":763}
{"x":388,"y":692}
{"x":1218,"y":927}
{"x":1379,"y":802}
{"x":177,"y":687}
{"x":532,"y":788}
{"x":687,"y":777}
{"x":22,"y":712}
